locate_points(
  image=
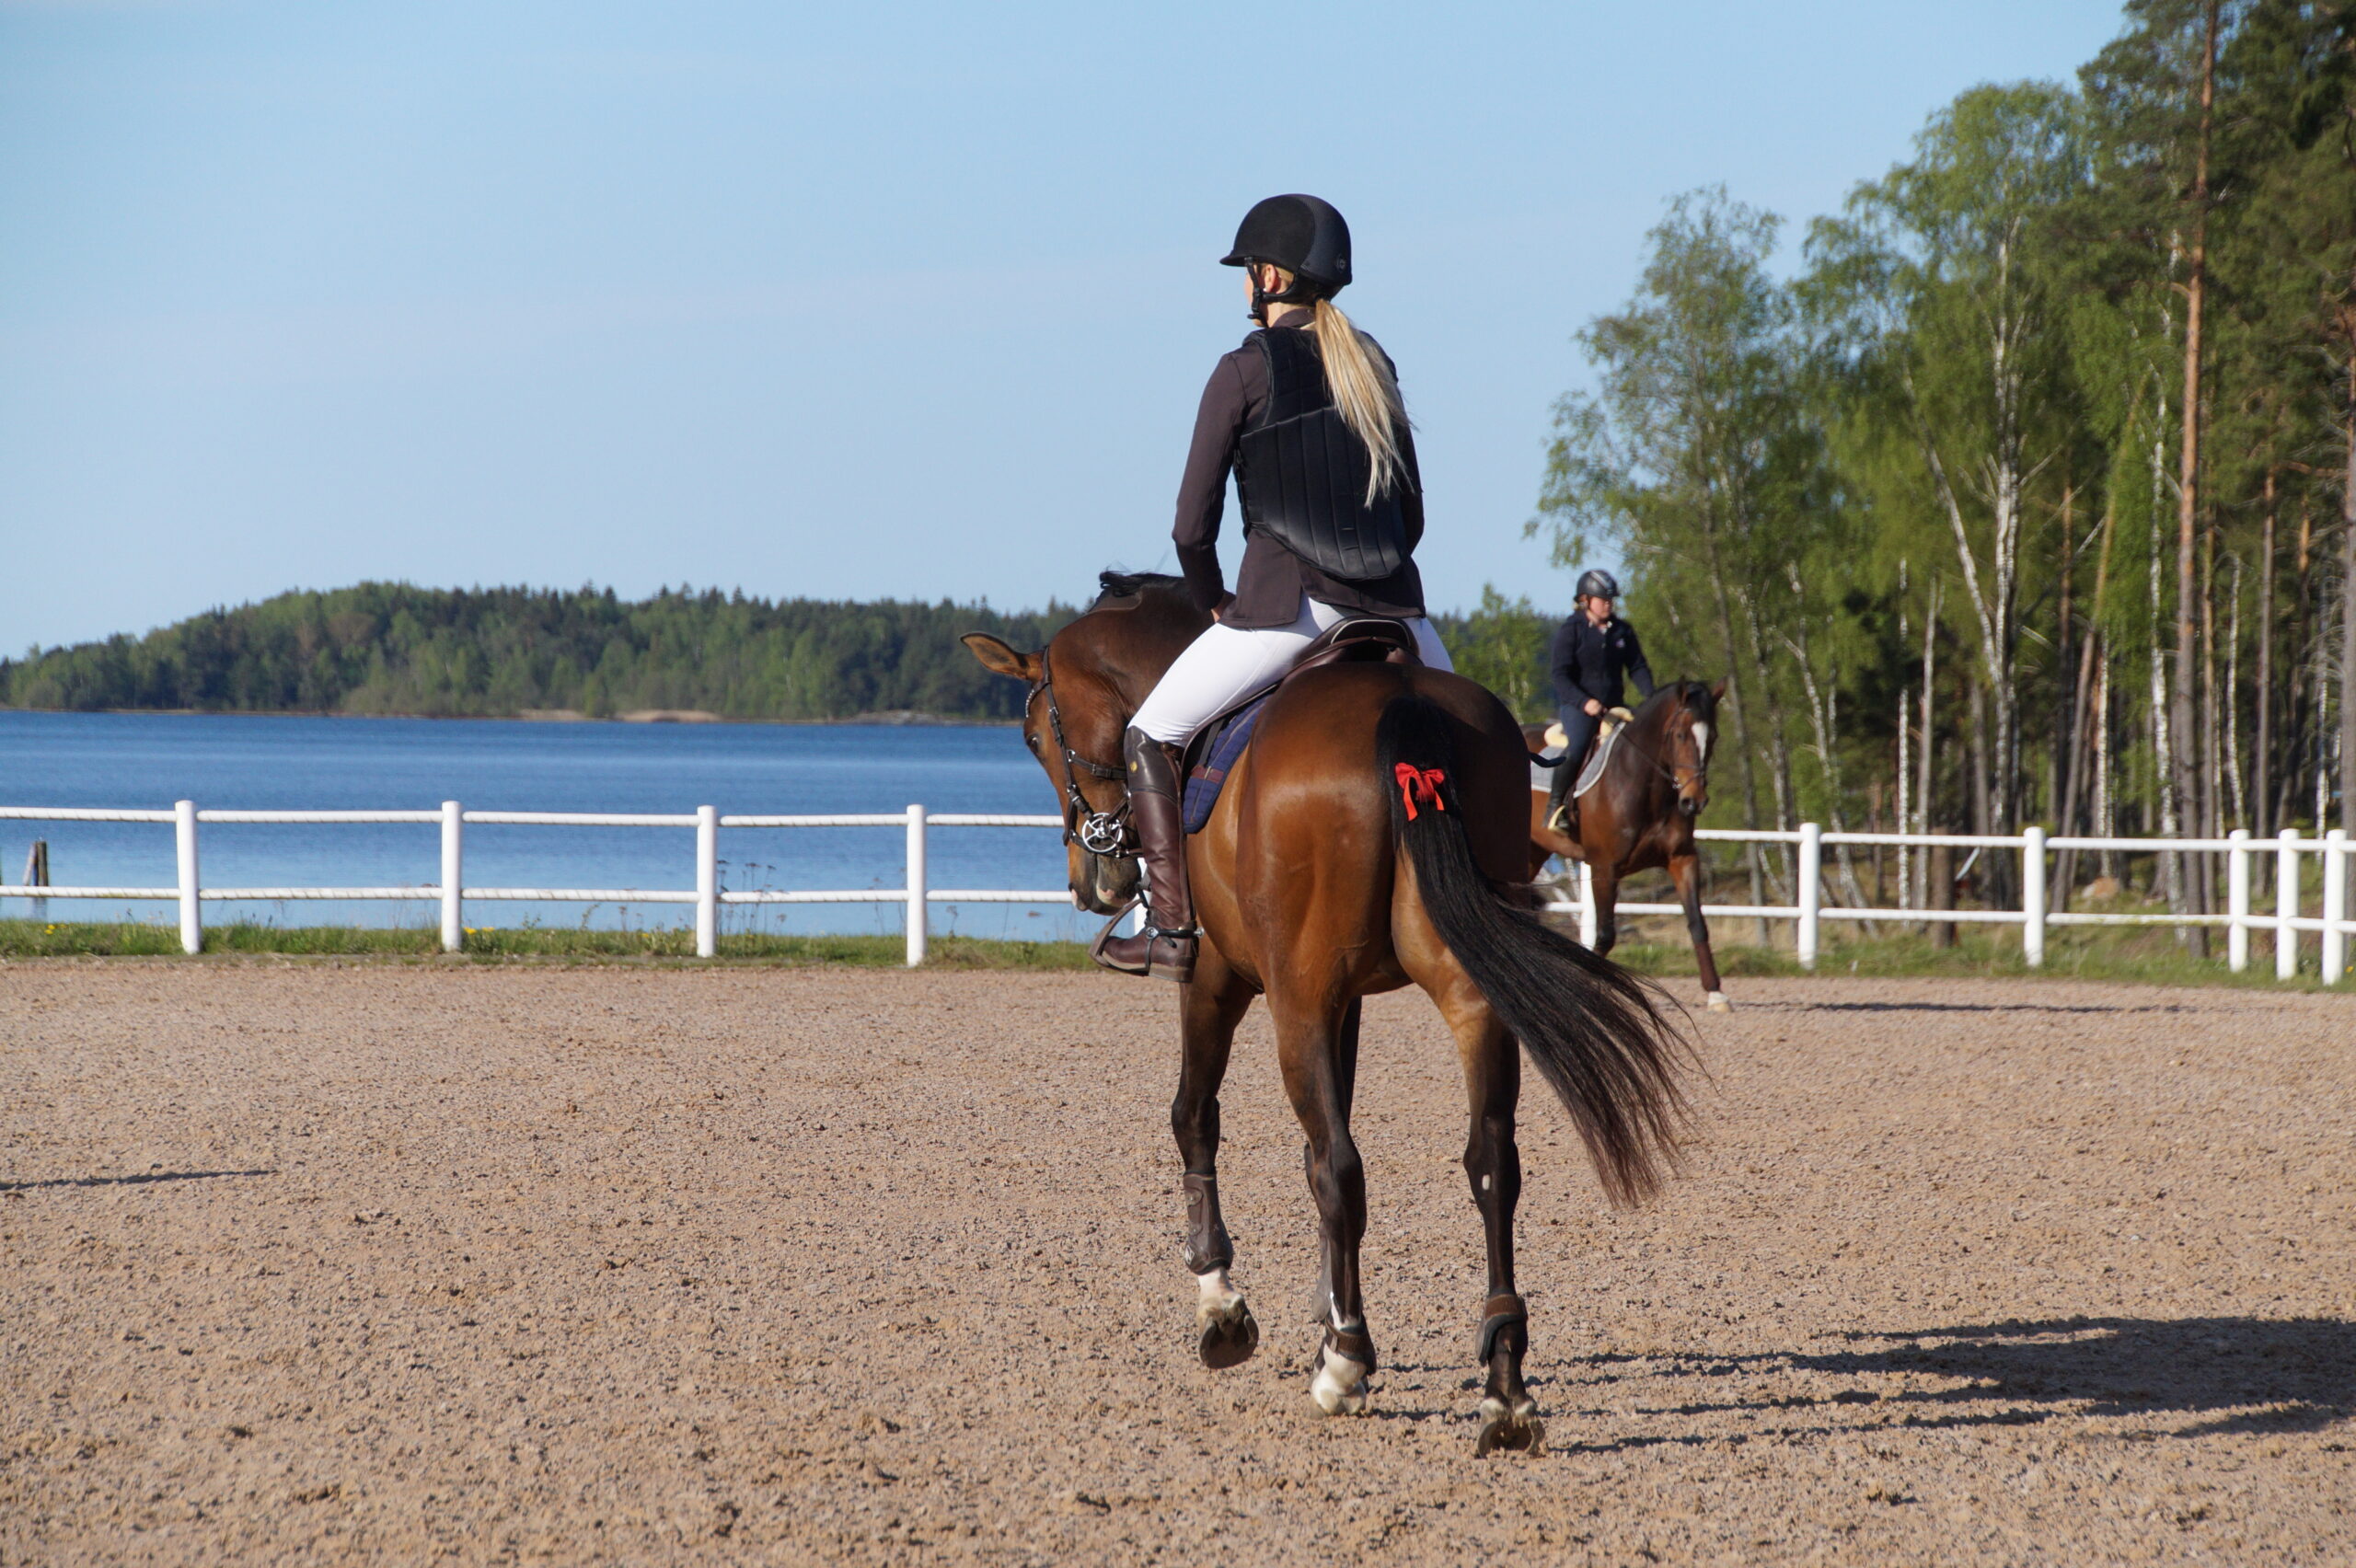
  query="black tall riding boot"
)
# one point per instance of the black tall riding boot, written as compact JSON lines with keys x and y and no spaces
{"x":1166,"y":947}
{"x":1558,"y":798}
{"x":1578,"y":735}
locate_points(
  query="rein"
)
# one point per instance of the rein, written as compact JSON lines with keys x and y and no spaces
{"x":1667,"y":771}
{"x":1099,"y":833}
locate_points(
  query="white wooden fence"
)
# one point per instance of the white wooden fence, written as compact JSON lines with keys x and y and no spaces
{"x":2332,"y":924}
{"x":2034,"y":916}
{"x":453,"y":894}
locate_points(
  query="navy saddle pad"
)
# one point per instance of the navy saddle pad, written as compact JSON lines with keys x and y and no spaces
{"x":1208,"y":775}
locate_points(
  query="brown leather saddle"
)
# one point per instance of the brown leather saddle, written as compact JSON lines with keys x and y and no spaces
{"x":1220,"y":744}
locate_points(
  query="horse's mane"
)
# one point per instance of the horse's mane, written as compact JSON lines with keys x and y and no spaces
{"x":1127,"y":589}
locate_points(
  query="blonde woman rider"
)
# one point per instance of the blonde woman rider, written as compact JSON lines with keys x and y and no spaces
{"x":1308,"y":416}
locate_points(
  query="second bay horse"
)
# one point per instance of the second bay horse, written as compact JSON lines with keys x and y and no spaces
{"x":1372,"y":837}
{"x":1641,"y":813}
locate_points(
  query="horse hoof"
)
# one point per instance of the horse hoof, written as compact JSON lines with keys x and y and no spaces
{"x":1340,"y":1385}
{"x":1716,"y":1002}
{"x":1230,"y":1336}
{"x":1514,"y":1428}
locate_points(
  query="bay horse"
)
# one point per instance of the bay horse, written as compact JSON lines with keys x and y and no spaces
{"x":1641,"y":813}
{"x":1371,"y":837}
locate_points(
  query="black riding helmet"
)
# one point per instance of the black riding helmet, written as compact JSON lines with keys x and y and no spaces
{"x":1305,"y":236}
{"x":1598,"y":584}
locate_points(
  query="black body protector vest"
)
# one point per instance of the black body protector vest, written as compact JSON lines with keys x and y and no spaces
{"x":1302,"y":471}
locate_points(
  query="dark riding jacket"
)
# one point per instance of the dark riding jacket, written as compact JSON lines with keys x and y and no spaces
{"x":1270,"y":583}
{"x":1589,"y":662}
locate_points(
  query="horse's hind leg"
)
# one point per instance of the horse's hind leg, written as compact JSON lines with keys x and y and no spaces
{"x":1685,"y":870}
{"x":1214,"y":1003}
{"x":1492,"y":1165}
{"x":1313,"y":1039}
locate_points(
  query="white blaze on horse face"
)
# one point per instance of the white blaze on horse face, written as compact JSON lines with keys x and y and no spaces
{"x":1702,"y":738}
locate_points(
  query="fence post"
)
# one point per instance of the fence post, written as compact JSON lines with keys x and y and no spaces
{"x":2237,"y":901}
{"x":707,"y":882}
{"x":1587,"y":906}
{"x":2033,"y":897}
{"x":1940,"y":862}
{"x":192,"y":918}
{"x":37,"y":875}
{"x":917,"y":921}
{"x":2335,"y":906}
{"x":2286,"y":903}
{"x":454,"y":914}
{"x":1811,"y":891}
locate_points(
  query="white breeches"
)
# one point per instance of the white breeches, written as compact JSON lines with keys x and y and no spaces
{"x":1228,"y":663}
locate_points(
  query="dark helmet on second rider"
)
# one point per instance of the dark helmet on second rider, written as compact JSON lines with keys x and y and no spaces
{"x":1598,"y":584}
{"x":1305,"y":236}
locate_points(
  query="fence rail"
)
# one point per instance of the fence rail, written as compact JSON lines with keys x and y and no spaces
{"x":452,"y":892}
{"x":2332,"y":923}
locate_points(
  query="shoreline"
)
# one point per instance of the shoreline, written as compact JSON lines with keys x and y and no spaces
{"x":888,"y":719}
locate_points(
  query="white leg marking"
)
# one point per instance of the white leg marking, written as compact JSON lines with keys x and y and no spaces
{"x":1339,"y":1386}
{"x":1216,"y":1297}
{"x":1716,"y":1002}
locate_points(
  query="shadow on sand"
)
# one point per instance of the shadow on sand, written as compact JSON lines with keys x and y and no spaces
{"x":2237,"y":1374}
{"x":1964,"y":1007}
{"x":140,"y":1180}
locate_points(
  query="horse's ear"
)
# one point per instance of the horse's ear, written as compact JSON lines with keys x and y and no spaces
{"x":1718,"y":691}
{"x":1000,"y":658}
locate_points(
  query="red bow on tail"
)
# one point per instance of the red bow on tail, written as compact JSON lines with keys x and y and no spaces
{"x":1420,"y":784}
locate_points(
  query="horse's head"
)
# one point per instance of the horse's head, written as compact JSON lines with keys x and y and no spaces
{"x":1084,"y":686}
{"x":1689,"y":732}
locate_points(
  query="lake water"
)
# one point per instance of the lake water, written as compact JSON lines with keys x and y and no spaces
{"x":147,"y":761}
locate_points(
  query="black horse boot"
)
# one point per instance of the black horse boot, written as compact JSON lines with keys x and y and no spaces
{"x":1165,"y":947}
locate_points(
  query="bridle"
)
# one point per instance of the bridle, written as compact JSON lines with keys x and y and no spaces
{"x":1099,"y":833}
{"x":1669,"y":771}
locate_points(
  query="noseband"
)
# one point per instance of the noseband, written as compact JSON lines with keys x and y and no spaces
{"x":1099,"y":833}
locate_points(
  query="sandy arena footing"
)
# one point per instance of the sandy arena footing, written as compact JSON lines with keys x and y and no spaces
{"x":386,"y":1263}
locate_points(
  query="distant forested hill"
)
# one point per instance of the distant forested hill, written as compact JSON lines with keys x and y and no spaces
{"x":390,"y":648}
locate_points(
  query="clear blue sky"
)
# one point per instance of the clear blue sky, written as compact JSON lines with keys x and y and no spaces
{"x":845,"y":301}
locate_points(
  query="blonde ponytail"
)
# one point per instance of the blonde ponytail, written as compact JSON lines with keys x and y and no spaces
{"x":1365,"y":391}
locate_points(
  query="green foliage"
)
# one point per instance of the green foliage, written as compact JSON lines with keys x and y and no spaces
{"x":390,"y":648}
{"x":1504,"y":645}
{"x":1960,"y":426}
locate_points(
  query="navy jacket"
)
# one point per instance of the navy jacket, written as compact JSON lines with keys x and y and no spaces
{"x":1589,"y":661}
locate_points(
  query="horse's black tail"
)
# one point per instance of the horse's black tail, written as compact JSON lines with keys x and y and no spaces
{"x":1592,"y":1027}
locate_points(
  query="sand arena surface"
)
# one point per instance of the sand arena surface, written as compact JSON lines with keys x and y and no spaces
{"x":310,"y":1262}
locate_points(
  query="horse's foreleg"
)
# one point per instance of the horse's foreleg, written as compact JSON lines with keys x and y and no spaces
{"x":1605,"y":882}
{"x":1213,"y":1003}
{"x":1310,"y":1047}
{"x":1685,"y":870}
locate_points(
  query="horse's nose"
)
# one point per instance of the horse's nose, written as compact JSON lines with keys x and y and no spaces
{"x":1690,"y":804}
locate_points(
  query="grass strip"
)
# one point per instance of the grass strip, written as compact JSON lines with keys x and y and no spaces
{"x":492,"y":944}
{"x":2146,"y":957}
